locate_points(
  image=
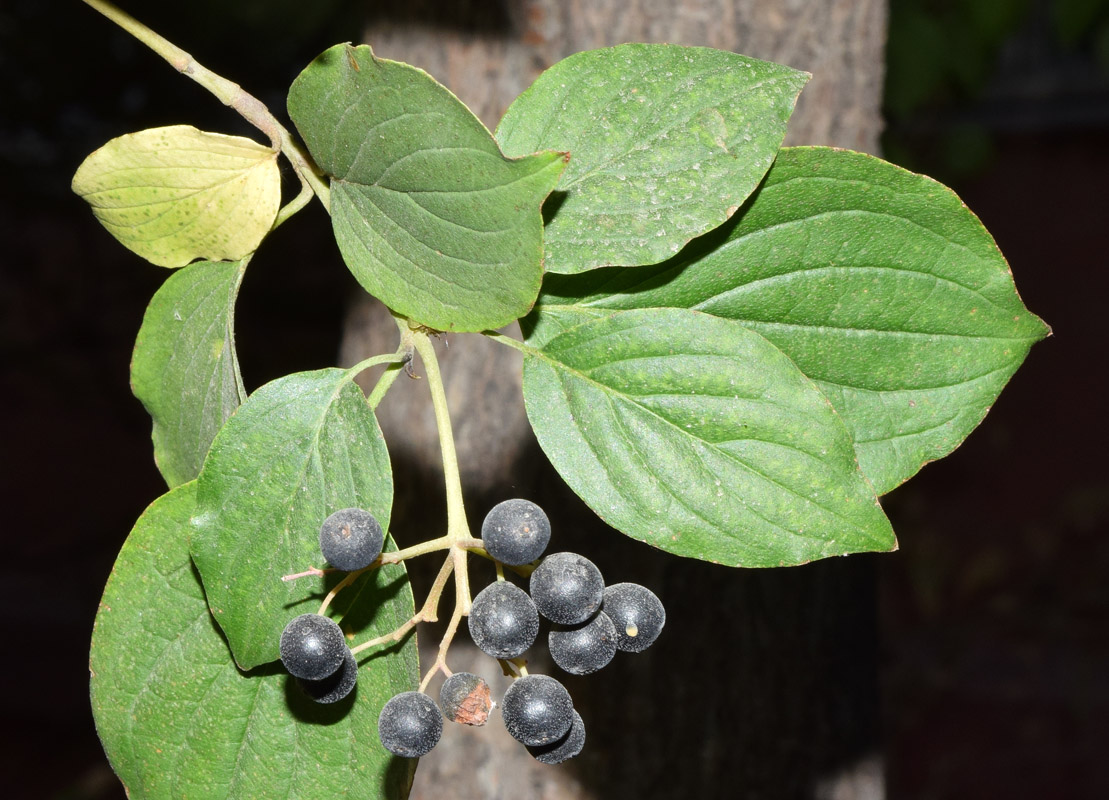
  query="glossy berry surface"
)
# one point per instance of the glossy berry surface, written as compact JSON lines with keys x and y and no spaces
{"x":410,"y":725}
{"x":565,"y":748}
{"x":585,"y":648}
{"x":516,"y":532}
{"x":465,"y":698}
{"x":537,"y":710}
{"x":313,"y":647}
{"x":351,"y":539}
{"x":334,"y":687}
{"x":567,"y":588}
{"x":637,"y":613}
{"x":503,"y":620}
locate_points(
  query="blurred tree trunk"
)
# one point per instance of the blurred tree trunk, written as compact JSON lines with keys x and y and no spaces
{"x":764,"y":683}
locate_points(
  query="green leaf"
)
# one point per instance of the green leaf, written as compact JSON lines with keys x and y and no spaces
{"x":430,"y":217}
{"x":878,"y":283}
{"x":177,"y":719}
{"x":665,"y":144}
{"x":176,"y":194}
{"x":298,"y":449}
{"x":695,"y":434}
{"x":184,"y":369}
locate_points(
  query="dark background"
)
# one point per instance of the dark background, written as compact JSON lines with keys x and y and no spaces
{"x":994,"y":615}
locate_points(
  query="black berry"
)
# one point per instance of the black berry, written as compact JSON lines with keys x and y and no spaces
{"x":565,"y":748}
{"x":351,"y":539}
{"x":334,"y":687}
{"x":567,"y":588}
{"x":637,"y":614}
{"x":466,"y":698}
{"x":503,"y":620}
{"x":410,"y":725}
{"x":585,"y":648}
{"x":313,"y":647}
{"x":537,"y":710}
{"x":515,"y":532}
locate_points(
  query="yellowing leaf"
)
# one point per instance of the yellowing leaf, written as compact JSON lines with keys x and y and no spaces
{"x":176,"y":194}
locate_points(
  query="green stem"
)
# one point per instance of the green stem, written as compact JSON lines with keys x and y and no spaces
{"x":423,"y":548}
{"x":427,"y":613}
{"x":230,"y":94}
{"x":458,"y":530}
{"x":509,"y":342}
{"x":384,"y":358}
{"x":293,"y":206}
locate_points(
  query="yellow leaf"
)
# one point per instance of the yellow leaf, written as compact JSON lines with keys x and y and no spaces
{"x":176,"y":194}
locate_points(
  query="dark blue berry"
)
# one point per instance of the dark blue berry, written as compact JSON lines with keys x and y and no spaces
{"x":503,"y":620}
{"x":585,"y":648}
{"x":565,"y":748}
{"x":515,"y":532}
{"x":637,"y":613}
{"x":351,"y":539}
{"x":537,"y":710}
{"x":567,"y":588}
{"x":313,"y":647}
{"x":334,"y":687}
{"x":410,"y":725}
{"x":466,"y":698}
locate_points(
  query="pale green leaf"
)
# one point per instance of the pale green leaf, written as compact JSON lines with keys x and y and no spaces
{"x":878,"y":283}
{"x":178,"y":719}
{"x":300,"y":448}
{"x":695,"y":434}
{"x":665,"y":144}
{"x":429,"y":216}
{"x":184,"y":369}
{"x":176,"y":194}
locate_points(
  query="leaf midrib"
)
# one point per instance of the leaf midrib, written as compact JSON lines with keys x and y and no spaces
{"x":554,"y":364}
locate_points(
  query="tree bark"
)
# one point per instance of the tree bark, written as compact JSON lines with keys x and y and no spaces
{"x":764,"y":683}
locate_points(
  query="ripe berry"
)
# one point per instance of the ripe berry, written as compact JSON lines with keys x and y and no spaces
{"x":537,"y":710}
{"x":351,"y":539}
{"x":567,"y":588}
{"x":584,"y":648}
{"x":466,"y":698}
{"x":410,"y":725}
{"x":313,"y":647}
{"x":334,"y":687}
{"x":503,"y":620}
{"x":515,"y":532}
{"x":565,"y":748}
{"x":637,"y":614}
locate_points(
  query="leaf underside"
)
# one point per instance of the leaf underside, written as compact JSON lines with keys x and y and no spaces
{"x":178,"y":719}
{"x":184,"y":369}
{"x":879,"y":284}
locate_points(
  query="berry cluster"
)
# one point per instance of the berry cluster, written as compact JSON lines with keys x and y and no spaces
{"x":590,"y":622}
{"x":313,"y":648}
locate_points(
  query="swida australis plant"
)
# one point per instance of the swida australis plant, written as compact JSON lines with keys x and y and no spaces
{"x":743,"y":397}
